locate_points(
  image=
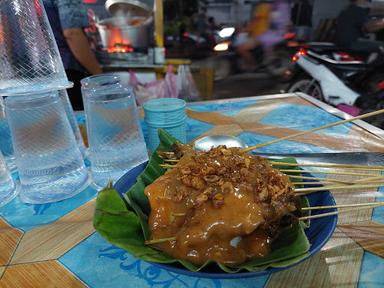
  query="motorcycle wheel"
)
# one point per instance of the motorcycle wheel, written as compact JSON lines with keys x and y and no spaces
{"x":279,"y":62}
{"x":308,"y":86}
{"x":279,"y":66}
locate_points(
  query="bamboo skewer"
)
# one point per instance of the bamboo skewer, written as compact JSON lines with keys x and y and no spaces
{"x":369,"y":179}
{"x":317,"y":165}
{"x":168,"y":166}
{"x":318,"y":216}
{"x":331,"y":165}
{"x":326,"y":180}
{"x":357,"y":208}
{"x":158,"y":241}
{"x":373,"y":204}
{"x":327,"y":172}
{"x":313,"y":183}
{"x":313,"y":130}
{"x":304,"y":191}
{"x":320,"y":179}
{"x":171,"y":160}
{"x":302,"y":171}
{"x":312,"y":171}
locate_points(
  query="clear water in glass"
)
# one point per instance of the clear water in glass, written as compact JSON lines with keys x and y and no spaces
{"x":116,"y":142}
{"x":5,"y":139}
{"x":8,"y":189}
{"x":49,"y":162}
{"x":72,"y":120}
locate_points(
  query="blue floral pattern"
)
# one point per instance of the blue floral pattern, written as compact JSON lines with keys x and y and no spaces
{"x":99,"y":264}
{"x":153,"y":275}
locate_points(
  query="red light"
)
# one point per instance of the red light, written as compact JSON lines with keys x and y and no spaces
{"x":381,"y":85}
{"x":293,"y":44}
{"x":289,"y":35}
{"x":346,"y":57}
{"x":302,"y":52}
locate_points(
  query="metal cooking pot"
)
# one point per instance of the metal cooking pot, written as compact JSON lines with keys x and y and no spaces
{"x":142,"y":8}
{"x":134,"y":32}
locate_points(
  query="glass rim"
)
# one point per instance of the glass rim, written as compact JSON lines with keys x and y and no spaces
{"x":93,"y":78}
{"x":22,"y":99}
{"x":155,"y":108}
{"x":22,"y":90}
{"x":104,"y":83}
{"x":89,"y":92}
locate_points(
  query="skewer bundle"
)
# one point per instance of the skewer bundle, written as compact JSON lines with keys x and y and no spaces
{"x":368,"y":180}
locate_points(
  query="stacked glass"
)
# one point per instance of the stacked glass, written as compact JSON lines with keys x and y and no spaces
{"x":8,"y":189}
{"x":45,"y":138}
{"x":116,"y":142}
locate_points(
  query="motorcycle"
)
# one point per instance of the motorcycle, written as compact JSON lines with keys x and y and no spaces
{"x":228,"y":62}
{"x":196,"y":47}
{"x":351,"y":80}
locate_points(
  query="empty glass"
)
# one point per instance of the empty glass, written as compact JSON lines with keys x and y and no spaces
{"x":5,"y":138}
{"x":50,"y":165}
{"x":8,"y":189}
{"x":116,"y":142}
{"x":72,"y":120}
{"x":29,"y":57}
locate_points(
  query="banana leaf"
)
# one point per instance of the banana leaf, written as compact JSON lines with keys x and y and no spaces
{"x":124,"y":223}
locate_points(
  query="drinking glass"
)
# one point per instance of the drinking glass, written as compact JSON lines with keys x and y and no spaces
{"x":8,"y":189}
{"x":116,"y":142}
{"x":49,"y":162}
{"x":72,"y":120}
{"x":5,"y":138}
{"x":29,"y":56}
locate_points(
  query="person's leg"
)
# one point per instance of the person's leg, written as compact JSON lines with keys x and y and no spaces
{"x":268,"y":41}
{"x":245,"y":51}
{"x":75,"y":92}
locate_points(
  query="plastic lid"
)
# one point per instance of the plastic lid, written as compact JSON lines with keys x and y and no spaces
{"x":163,"y":105}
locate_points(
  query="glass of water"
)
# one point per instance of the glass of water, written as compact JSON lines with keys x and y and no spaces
{"x":72,"y":119}
{"x":5,"y":138}
{"x":116,"y":142}
{"x":8,"y":189}
{"x":50,"y":165}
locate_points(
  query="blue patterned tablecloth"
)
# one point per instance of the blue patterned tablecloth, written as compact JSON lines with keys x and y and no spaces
{"x":60,"y":235}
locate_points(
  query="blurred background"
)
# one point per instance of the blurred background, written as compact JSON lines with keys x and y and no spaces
{"x":245,"y":48}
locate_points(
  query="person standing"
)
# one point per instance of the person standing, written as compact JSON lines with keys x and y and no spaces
{"x":352,"y":24}
{"x":68,"y":18}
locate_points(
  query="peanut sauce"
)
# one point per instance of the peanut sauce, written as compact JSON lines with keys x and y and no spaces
{"x":219,"y":205}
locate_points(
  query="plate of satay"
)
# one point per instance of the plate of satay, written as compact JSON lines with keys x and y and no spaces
{"x":222,"y":213}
